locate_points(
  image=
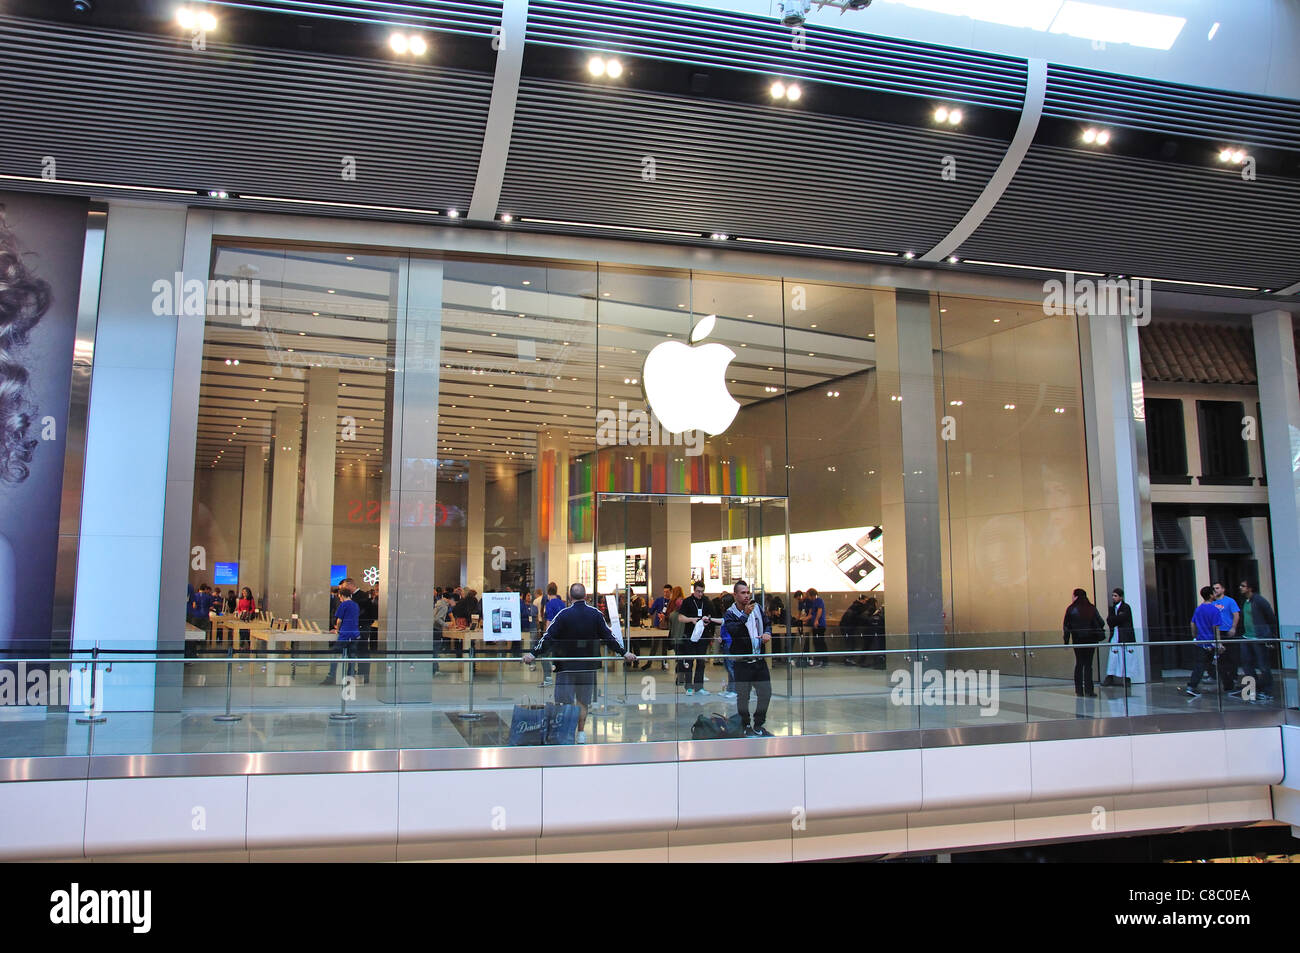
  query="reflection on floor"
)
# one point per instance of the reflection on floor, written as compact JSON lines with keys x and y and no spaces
{"x":630,"y":706}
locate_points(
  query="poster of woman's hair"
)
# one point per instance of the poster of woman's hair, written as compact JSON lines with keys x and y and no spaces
{"x":41,"y":247}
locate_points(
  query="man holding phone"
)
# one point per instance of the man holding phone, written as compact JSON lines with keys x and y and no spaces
{"x":749,"y":632}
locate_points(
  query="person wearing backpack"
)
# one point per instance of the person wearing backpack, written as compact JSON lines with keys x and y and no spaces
{"x":1084,"y":627}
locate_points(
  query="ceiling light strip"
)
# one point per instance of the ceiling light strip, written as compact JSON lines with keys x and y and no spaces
{"x":96,"y":185}
{"x":1195,"y":284}
{"x":371,"y":208}
{"x":859,"y":251}
{"x":1063,"y":271}
{"x":617,"y":228}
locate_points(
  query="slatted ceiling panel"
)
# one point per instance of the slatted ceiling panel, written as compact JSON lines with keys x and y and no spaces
{"x":758,"y":43}
{"x":1113,"y":214}
{"x":1169,"y":539}
{"x":1224,"y":536}
{"x":1173,"y":108}
{"x":472,"y":17}
{"x":264,"y":122}
{"x":576,"y":155}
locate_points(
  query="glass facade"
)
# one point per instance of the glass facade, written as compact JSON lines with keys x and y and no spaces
{"x":416,"y":421}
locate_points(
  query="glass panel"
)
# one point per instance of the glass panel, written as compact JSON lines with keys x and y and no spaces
{"x":1016,"y":501}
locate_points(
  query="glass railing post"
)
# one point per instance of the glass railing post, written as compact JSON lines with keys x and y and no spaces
{"x":1123,"y":671}
{"x":230,"y":664}
{"x":95,"y":715}
{"x":470,"y":714}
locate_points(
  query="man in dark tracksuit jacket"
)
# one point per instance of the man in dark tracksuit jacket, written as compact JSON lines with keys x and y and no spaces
{"x":751,"y":668}
{"x":576,"y":633}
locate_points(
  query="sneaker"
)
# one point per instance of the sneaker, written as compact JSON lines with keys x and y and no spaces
{"x":749,"y":733}
{"x":690,"y":691}
{"x":581,"y":738}
{"x":728,"y":694}
{"x":547,"y":683}
{"x":763,"y":733}
{"x":703,"y":691}
{"x":1190,"y":693}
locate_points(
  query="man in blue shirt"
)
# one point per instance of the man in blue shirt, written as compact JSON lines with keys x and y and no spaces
{"x":203,"y":603}
{"x":659,"y":607}
{"x":550,"y":609}
{"x":527,"y":619}
{"x":347,"y":621}
{"x":1205,"y":624}
{"x":1228,"y":635}
{"x":817,"y":622}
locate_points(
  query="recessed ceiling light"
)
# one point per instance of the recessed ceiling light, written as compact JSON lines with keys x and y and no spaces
{"x":192,"y":20}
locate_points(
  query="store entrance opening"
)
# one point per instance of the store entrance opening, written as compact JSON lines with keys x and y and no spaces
{"x":644,"y":542}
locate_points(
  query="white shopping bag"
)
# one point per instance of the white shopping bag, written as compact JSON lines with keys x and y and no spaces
{"x":697,"y":631}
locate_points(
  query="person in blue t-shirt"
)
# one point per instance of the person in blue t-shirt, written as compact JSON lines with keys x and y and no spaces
{"x":527,"y":619}
{"x":550,"y":609}
{"x":347,"y":621}
{"x":1205,"y":624}
{"x":659,"y":607}
{"x":816,"y":612}
{"x":1228,"y":635}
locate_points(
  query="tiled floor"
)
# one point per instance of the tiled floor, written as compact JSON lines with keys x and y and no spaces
{"x":632,"y":706}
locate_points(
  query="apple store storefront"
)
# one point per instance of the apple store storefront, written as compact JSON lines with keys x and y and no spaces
{"x":414,"y":420}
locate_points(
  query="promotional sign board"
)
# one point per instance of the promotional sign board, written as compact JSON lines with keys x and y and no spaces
{"x":225,"y":574}
{"x":849,"y":559}
{"x":501,"y":622}
{"x":611,"y":604}
{"x":41,"y":243}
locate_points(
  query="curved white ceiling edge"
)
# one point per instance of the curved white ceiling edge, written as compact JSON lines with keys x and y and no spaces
{"x":1035,"y":92}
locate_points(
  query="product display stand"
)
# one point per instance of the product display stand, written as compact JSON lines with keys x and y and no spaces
{"x":499,"y":696}
{"x":471,"y":714}
{"x":343,"y":714}
{"x":230,"y":665}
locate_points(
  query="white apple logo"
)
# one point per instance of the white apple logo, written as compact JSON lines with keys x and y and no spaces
{"x":687,"y":386}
